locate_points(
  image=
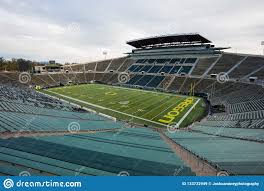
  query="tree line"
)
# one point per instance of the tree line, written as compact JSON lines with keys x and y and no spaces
{"x":17,"y":65}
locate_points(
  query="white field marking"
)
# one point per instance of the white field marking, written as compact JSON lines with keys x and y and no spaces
{"x":154,"y":108}
{"x":107,"y":116}
{"x":101,"y":107}
{"x":187,"y":113}
{"x":118,"y":97}
{"x":117,"y":100}
{"x":167,"y":108}
{"x":135,"y":99}
{"x":137,"y":102}
{"x":145,"y":93}
{"x":132,"y":89}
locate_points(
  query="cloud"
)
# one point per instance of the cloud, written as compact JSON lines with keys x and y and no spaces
{"x":79,"y":31}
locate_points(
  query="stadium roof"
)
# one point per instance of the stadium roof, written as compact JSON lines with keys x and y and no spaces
{"x":168,"y":39}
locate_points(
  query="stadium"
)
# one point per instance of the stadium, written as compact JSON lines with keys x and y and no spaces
{"x":176,"y":105}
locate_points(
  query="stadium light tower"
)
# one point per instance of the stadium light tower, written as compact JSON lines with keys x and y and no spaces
{"x":105,"y":53}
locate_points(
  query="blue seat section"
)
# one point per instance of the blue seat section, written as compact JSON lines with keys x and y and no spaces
{"x":181,"y":69}
{"x":235,"y":156}
{"x":146,"y":68}
{"x":182,"y":60}
{"x":133,"y":67}
{"x":162,"y":61}
{"x":13,"y":122}
{"x":175,"y":60}
{"x":144,"y":80}
{"x":155,"y":81}
{"x":155,"y":69}
{"x":134,"y":79}
{"x":190,"y":60}
{"x":185,"y":69}
{"x":166,"y":69}
{"x":253,"y":134}
{"x":137,"y":69}
{"x":151,"y":61}
{"x":175,"y":69}
{"x":139,"y":151}
{"x":140,"y":61}
{"x":172,"y":66}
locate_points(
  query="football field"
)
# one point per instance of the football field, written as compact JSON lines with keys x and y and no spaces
{"x":152,"y":108}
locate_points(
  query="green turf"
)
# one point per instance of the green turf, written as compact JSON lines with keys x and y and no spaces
{"x":138,"y":106}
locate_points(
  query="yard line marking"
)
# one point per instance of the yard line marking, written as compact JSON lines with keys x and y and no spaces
{"x":187,"y":113}
{"x":120,"y":95}
{"x":151,"y":106}
{"x":101,"y":107}
{"x":176,"y":103}
{"x":139,"y":101}
{"x":132,"y":89}
{"x":161,"y":103}
{"x":134,"y":98}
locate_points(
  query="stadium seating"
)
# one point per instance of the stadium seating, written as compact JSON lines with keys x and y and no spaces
{"x":249,"y":65}
{"x":106,"y":78}
{"x":165,"y":83}
{"x":89,"y":76}
{"x":116,"y":63}
{"x":90,"y":66}
{"x":239,"y":124}
{"x":176,"y":84}
{"x":155,"y":81}
{"x":134,"y":79}
{"x":21,"y":94}
{"x":144,"y":80}
{"x":125,"y":65}
{"x":98,"y":76}
{"x":202,"y":65}
{"x":227,"y":127}
{"x":22,"y":122}
{"x":103,"y":65}
{"x":259,"y":74}
{"x":225,"y":63}
{"x":238,"y":157}
{"x":17,"y":160}
{"x":138,"y":151}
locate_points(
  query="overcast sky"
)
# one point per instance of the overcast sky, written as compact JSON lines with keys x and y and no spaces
{"x":80,"y":30}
